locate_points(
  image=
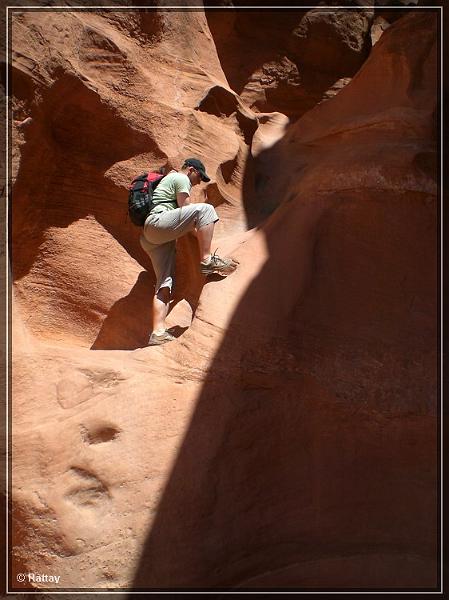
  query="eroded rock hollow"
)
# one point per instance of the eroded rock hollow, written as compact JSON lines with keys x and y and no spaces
{"x":288,"y":437}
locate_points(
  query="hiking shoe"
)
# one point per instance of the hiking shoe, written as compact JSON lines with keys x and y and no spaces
{"x":156,"y":339}
{"x":221,"y":266}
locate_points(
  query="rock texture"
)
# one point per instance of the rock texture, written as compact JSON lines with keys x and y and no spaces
{"x":288,"y":437}
{"x":286,"y":60}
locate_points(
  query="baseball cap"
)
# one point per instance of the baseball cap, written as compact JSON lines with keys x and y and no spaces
{"x":198,"y":165}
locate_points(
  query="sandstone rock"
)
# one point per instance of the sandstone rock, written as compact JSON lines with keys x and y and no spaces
{"x":278,"y":85}
{"x":332,"y":40}
{"x":259,"y":66}
{"x":288,"y":436}
{"x":378,"y":27}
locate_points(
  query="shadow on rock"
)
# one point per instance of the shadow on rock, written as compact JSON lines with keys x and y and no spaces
{"x":310,"y":461}
{"x":121,"y":330}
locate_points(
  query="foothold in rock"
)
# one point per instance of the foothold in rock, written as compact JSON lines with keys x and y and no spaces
{"x":99,"y":434}
{"x":88,"y":490}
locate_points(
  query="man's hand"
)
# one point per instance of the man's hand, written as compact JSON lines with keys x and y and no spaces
{"x":182,"y":199}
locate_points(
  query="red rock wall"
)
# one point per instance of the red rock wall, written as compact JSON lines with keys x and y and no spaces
{"x":288,"y":438}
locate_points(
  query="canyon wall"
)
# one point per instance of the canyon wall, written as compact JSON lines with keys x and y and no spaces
{"x":288,"y":438}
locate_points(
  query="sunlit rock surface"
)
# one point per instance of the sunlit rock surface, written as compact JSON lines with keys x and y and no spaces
{"x":288,"y":437}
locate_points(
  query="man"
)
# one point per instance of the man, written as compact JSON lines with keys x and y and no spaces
{"x":172,"y":216}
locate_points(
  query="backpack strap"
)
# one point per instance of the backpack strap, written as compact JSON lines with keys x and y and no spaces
{"x":152,"y":177}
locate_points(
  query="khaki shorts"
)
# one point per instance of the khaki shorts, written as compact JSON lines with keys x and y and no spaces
{"x":161,"y":230}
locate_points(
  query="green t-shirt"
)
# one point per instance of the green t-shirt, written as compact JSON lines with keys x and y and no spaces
{"x":165,"y":193}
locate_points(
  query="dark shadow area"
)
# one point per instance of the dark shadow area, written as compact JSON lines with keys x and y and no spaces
{"x":121,"y":330}
{"x":310,"y":460}
{"x":177,"y":331}
{"x":274,"y":63}
{"x":242,"y":42}
{"x":288,"y":475}
{"x":77,"y":139}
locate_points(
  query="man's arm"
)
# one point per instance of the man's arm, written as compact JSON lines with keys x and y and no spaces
{"x":182,"y":198}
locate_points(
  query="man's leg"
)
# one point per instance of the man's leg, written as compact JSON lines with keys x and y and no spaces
{"x":157,"y":240}
{"x":163,"y":259}
{"x":204,"y":236}
{"x":210,"y":265}
{"x":160,"y":309}
{"x":205,"y":226}
{"x":201,"y":217}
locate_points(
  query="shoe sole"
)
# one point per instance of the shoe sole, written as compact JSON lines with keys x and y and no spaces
{"x":159,"y":342}
{"x":223,"y":271}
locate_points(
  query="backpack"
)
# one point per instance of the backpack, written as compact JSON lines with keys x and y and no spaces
{"x":140,"y":195}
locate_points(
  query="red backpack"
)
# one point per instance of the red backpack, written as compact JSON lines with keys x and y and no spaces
{"x":140,"y":195}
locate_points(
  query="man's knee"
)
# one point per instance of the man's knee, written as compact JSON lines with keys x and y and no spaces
{"x":208,"y":207}
{"x":207,"y":214}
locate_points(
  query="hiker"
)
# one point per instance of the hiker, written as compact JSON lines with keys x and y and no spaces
{"x":173,"y":215}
